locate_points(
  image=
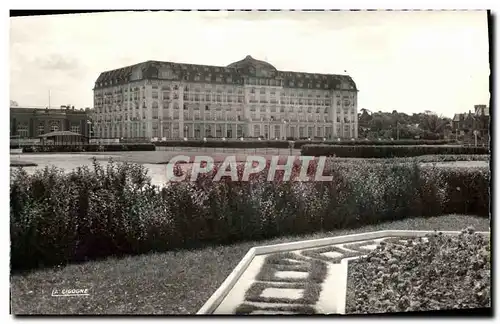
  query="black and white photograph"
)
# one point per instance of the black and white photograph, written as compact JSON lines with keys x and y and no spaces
{"x":245,"y":162}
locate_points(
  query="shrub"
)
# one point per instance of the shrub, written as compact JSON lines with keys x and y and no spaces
{"x":367,"y":151}
{"x":252,"y":143}
{"x":88,"y":148}
{"x":446,"y":272}
{"x":59,"y":217}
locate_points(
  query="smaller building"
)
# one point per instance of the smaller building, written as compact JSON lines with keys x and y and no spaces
{"x":465,"y":124}
{"x":26,"y":123}
{"x":63,"y":138}
{"x":482,"y":110}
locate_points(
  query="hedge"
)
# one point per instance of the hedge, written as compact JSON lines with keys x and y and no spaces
{"x":372,"y":151}
{"x":58,"y":218}
{"x":88,"y":148}
{"x":285,"y":144}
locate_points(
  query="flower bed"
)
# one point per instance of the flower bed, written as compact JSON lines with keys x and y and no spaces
{"x":373,"y":151}
{"x":446,"y":272}
{"x":86,"y":214}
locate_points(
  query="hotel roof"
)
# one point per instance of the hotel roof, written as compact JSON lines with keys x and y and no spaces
{"x":234,"y":73}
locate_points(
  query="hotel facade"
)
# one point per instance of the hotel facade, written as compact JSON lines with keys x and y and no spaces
{"x":248,"y":98}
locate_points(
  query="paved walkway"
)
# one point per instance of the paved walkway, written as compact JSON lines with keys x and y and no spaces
{"x":307,"y":281}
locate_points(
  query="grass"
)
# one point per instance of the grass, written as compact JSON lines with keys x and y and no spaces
{"x":273,"y":263}
{"x":281,"y":262}
{"x":176,"y":282}
{"x":310,"y":295}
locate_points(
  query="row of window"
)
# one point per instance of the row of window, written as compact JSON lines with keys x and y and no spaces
{"x":230,"y":98}
{"x":209,"y":88}
{"x":285,"y":93}
{"x":239,"y":110}
{"x":22,"y":130}
{"x":198,"y":132}
{"x":155,"y":105}
{"x":253,"y":117}
{"x":282,"y":109}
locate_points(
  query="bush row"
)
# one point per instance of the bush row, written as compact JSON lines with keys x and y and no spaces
{"x":58,"y":217}
{"x":253,"y":143}
{"x":88,"y":148}
{"x":367,"y":151}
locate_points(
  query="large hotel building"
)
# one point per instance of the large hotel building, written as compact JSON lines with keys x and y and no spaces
{"x":248,"y":98}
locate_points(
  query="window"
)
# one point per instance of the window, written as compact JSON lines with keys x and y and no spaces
{"x":22,"y":130}
{"x":54,"y":127}
{"x":256,"y":130}
{"x":75,"y":129}
{"x":41,"y":129}
{"x":277,"y":131}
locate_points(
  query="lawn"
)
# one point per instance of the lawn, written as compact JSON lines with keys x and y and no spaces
{"x":167,"y":283}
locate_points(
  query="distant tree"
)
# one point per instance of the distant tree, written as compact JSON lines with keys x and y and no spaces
{"x":433,"y":123}
{"x":364,"y":117}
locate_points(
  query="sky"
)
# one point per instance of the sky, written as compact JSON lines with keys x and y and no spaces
{"x":405,"y":61}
